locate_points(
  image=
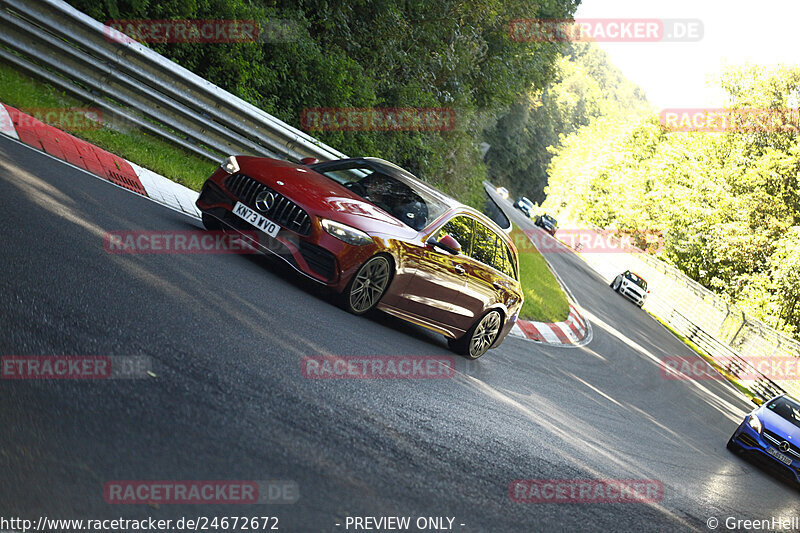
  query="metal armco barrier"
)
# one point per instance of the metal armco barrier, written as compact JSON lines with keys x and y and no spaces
{"x":731,"y":361}
{"x":135,"y":87}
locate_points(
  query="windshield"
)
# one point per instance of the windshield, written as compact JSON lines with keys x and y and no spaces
{"x":786,"y":408}
{"x":550,"y":219}
{"x":404,"y":199}
{"x":637,"y":280}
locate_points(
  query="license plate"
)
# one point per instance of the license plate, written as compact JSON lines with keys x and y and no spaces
{"x":261,"y":222}
{"x":779,"y":456}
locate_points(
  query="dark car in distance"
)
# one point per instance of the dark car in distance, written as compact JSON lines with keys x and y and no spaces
{"x":547,"y":223}
{"x":379,"y":237}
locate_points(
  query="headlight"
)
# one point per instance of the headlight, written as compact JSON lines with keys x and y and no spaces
{"x":346,"y":233}
{"x":230,"y":165}
{"x":755,"y":423}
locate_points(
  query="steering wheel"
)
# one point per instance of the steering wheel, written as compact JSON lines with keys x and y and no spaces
{"x":357,"y":188}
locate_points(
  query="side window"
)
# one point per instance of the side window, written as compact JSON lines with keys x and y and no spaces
{"x":484,"y":245}
{"x":504,"y":261}
{"x":460,"y":228}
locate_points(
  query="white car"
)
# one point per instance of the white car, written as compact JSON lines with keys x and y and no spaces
{"x":502,"y":191}
{"x":632,"y":286}
{"x":524,"y":205}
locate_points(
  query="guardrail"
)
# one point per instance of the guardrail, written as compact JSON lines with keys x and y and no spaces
{"x":133,"y":85}
{"x":718,"y":327}
{"x":731,"y":361}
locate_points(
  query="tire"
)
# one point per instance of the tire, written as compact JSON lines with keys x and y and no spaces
{"x":211,"y":223}
{"x":732,"y":446}
{"x":367,"y":285}
{"x":616,"y":284}
{"x":480,"y":336}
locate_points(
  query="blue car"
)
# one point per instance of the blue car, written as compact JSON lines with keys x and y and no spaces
{"x":771,"y":435}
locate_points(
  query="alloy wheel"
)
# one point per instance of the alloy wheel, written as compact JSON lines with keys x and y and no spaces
{"x":485,"y":334}
{"x":369,"y":284}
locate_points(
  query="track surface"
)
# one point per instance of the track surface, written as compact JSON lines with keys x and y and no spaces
{"x":227,"y":333}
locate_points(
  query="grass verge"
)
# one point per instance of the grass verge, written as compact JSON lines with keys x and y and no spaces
{"x":545,"y":301}
{"x":35,"y":97}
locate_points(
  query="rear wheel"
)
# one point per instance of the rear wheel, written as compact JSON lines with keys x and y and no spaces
{"x":366,"y":288}
{"x":616,"y":284}
{"x":480,"y":336}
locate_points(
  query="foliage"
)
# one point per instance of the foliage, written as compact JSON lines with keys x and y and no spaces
{"x":586,"y":86}
{"x":727,"y":202}
{"x":381,"y":53}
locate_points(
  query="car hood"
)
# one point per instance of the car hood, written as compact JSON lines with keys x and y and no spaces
{"x":634,"y":287}
{"x":778,"y":424}
{"x":321,"y":196}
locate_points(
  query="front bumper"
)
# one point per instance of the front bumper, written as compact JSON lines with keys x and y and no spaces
{"x":632,"y":295}
{"x":755,"y":446}
{"x":306,"y":247}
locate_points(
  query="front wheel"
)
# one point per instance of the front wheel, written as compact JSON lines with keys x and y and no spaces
{"x":366,"y":288}
{"x":479,"y":338}
{"x":733,"y":446}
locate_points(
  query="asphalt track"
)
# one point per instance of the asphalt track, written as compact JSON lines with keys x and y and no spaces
{"x":226,"y":334}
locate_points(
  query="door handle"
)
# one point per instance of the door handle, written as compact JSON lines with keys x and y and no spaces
{"x":460,"y":269}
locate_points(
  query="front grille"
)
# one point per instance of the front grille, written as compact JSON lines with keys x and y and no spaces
{"x":747,"y":440}
{"x":319,"y":259}
{"x":775,"y":440}
{"x":283,"y":211}
{"x":631,"y":294}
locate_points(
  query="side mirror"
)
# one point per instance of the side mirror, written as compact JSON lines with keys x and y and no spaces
{"x":309,"y":160}
{"x":446,"y":243}
{"x":758,"y":401}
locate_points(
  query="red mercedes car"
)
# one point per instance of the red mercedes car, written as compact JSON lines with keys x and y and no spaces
{"x":380,"y":237}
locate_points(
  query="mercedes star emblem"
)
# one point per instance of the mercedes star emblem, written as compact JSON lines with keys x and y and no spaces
{"x":265,"y":200}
